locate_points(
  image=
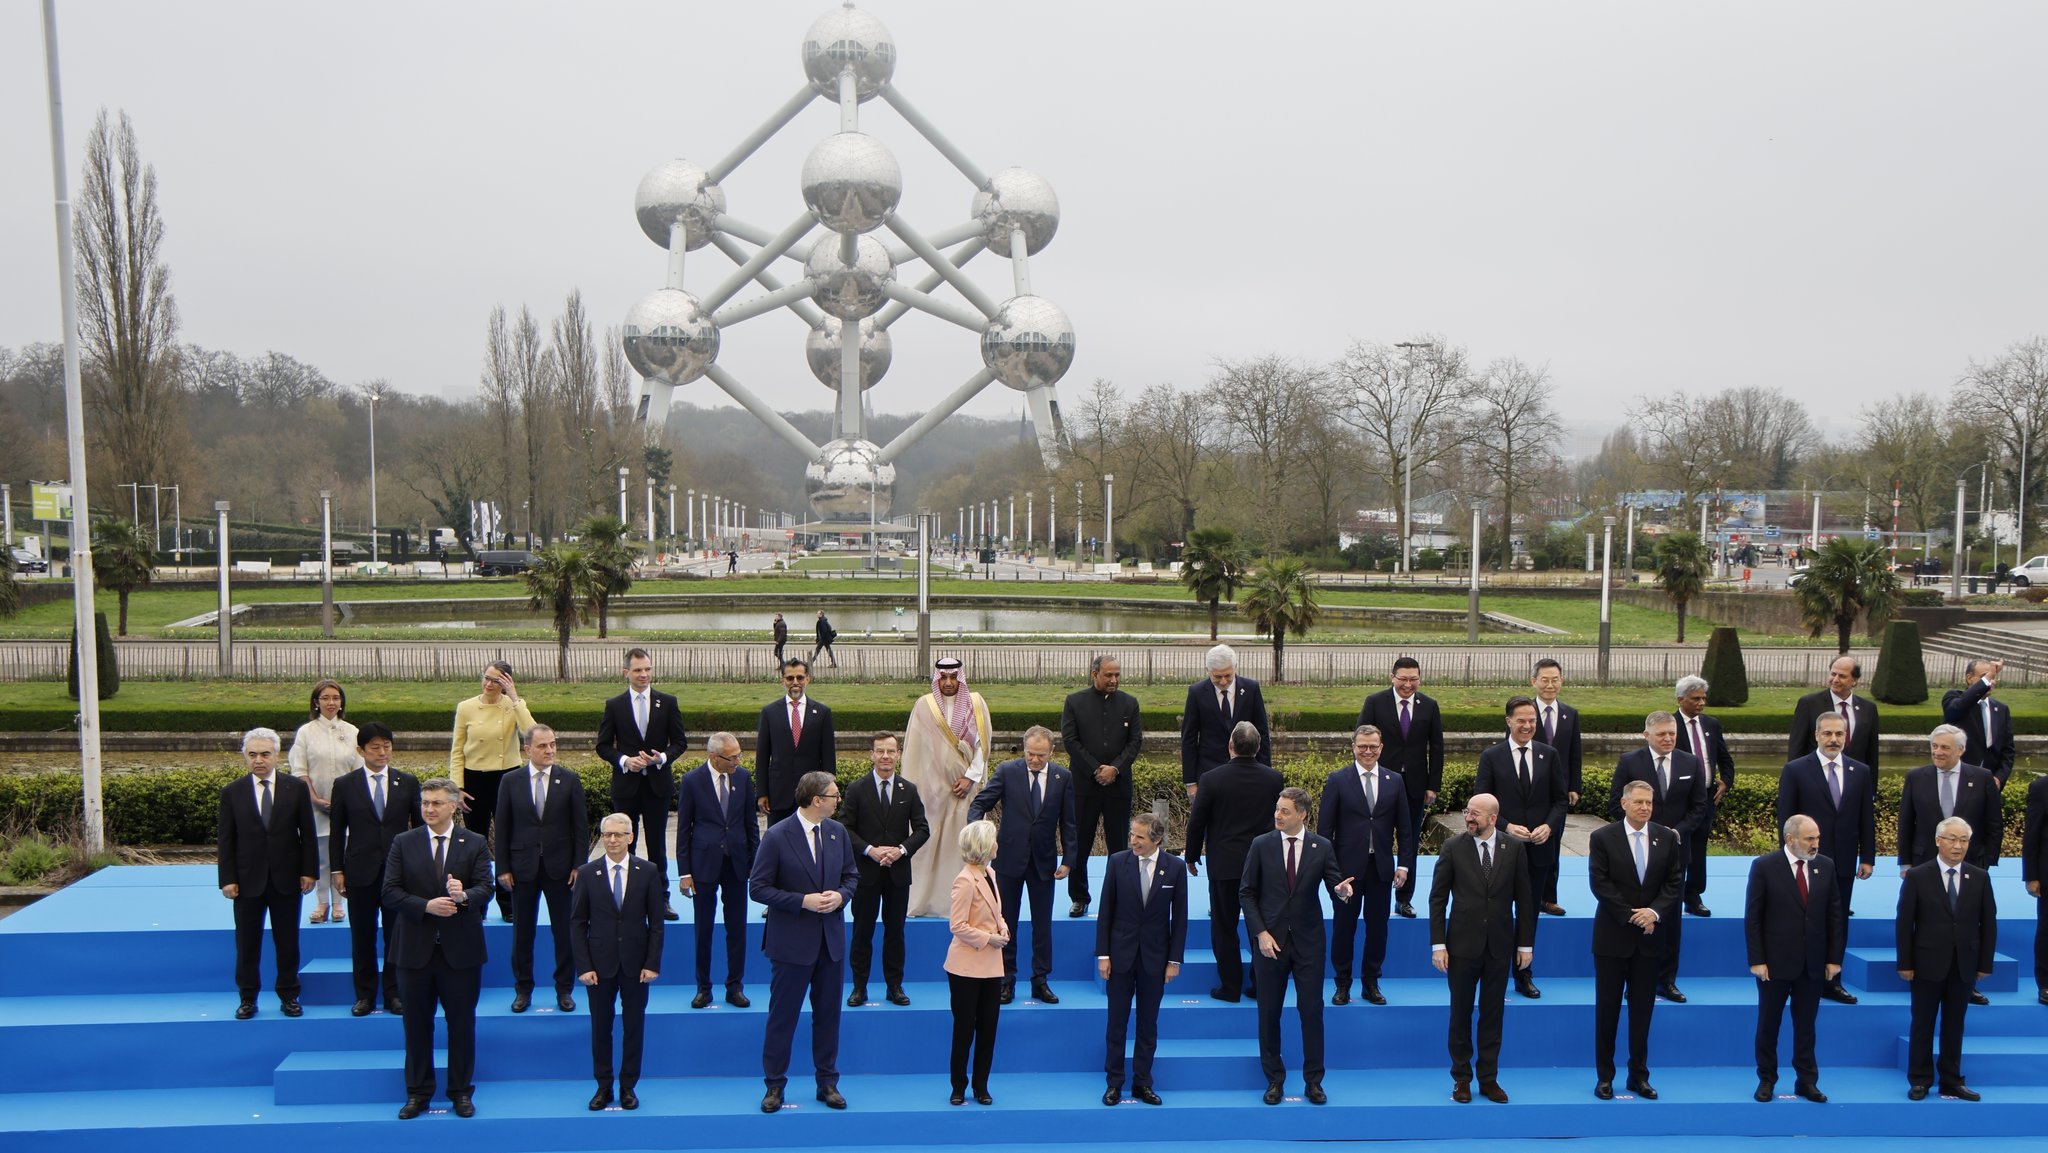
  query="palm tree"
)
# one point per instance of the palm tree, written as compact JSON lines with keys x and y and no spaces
{"x":1212,"y":567}
{"x":122,"y":556}
{"x":559,"y":580}
{"x":1847,"y":578}
{"x":1279,"y":598}
{"x":1682,"y":561}
{"x":611,"y":564}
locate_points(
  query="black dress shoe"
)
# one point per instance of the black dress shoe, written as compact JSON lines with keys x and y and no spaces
{"x":701,"y":1000}
{"x":668,"y":913}
{"x":1220,"y":995}
{"x":1274,"y":1093}
{"x":393,"y":1006}
{"x":361,"y":1008}
{"x":1977,"y":998}
{"x":1698,"y":910}
{"x":857,"y":998}
{"x":736,"y":999}
{"x":1461,"y":1092}
{"x":1670,"y":993}
{"x":1811,"y":1093}
{"x":959,"y":1097}
{"x":245,"y":1010}
{"x":521,"y":1002}
{"x":897,"y":996}
{"x":565,"y":1002}
{"x":413,"y":1107}
{"x":1043,"y":994}
{"x":830,"y":1096}
{"x":2042,"y":996}
{"x":601,"y":1098}
{"x":628,"y":1099}
{"x":1314,"y":1093}
{"x":1552,"y":908}
{"x":1917,"y":1093}
{"x":1838,"y":995}
{"x":1405,"y":909}
{"x":1765,"y":1091}
{"x":1492,"y":1091}
{"x":1114,"y":1095}
{"x":981,"y":1097}
{"x":1079,"y":909}
{"x":1342,"y":996}
{"x":1961,"y":1093}
{"x":1144,"y":1093}
{"x":1604,"y":1090}
{"x":1528,"y":989}
{"x":771,"y":1100}
{"x":463,"y":1105}
{"x":290,"y":1007}
{"x":1371,"y":992}
{"x":1642,"y":1089}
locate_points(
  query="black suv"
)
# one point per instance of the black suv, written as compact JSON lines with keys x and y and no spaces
{"x":503,"y":562}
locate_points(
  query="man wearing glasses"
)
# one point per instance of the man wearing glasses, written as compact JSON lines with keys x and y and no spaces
{"x":795,"y":737}
{"x":805,"y":875}
{"x":716,"y":837}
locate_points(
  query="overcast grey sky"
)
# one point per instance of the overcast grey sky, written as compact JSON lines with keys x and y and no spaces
{"x":1843,"y":200}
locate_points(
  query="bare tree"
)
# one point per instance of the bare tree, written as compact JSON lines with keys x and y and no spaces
{"x":1519,"y":429}
{"x":1264,"y":406}
{"x":1405,"y":401}
{"x":576,"y":358}
{"x":1738,"y":438}
{"x":2008,"y":396}
{"x":534,"y":375}
{"x":500,"y":388}
{"x":1911,"y":442}
{"x":1182,"y":436}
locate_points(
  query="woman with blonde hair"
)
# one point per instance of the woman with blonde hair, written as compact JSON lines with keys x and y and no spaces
{"x":322,"y":750}
{"x":974,"y":961}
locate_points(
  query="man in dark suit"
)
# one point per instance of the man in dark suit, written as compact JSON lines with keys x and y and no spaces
{"x":1947,"y":936}
{"x":268,"y":857}
{"x":805,"y":874}
{"x":542,"y":835}
{"x":1233,"y":805}
{"x":1482,"y":919}
{"x":1636,"y":869}
{"x":1279,"y":892}
{"x":1949,"y":788}
{"x":641,"y":737}
{"x":616,"y":931}
{"x":2033,"y":869}
{"x":1102,"y":732}
{"x":717,"y":836}
{"x":1681,"y":806}
{"x":795,"y":737}
{"x":1796,"y":931}
{"x":1526,"y":778}
{"x":1557,"y":725}
{"x":1365,"y":814}
{"x":1700,"y":735}
{"x":368,"y":807}
{"x":1140,"y":937}
{"x":885,"y":819}
{"x":1412,"y":729}
{"x":1031,"y":841}
{"x":1213,"y":709}
{"x":437,"y":880}
{"x":1985,"y":720}
{"x":1840,"y":698}
{"x":1841,"y":798}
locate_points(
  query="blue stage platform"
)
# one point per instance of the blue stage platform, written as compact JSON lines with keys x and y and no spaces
{"x":118,"y":1030}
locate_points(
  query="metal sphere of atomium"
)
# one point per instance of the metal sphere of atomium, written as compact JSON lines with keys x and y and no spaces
{"x":851,"y":182}
{"x":1016,"y":198}
{"x":842,"y":478}
{"x":668,"y":338}
{"x":821,"y":350}
{"x":678,"y":190}
{"x":849,"y":38}
{"x":850,"y":291}
{"x":1029,"y":344}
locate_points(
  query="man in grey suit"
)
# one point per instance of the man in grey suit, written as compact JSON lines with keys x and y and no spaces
{"x":1482,"y":919}
{"x":1286,"y":919}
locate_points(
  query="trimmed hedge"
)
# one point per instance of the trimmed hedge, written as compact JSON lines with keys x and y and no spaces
{"x":1901,"y":673}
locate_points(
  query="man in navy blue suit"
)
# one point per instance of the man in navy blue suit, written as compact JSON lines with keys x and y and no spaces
{"x":1985,"y":720}
{"x":1529,"y":780}
{"x":1700,"y":735}
{"x":1033,"y":841}
{"x":1283,"y":870}
{"x":369,"y":807}
{"x":1412,"y":729}
{"x":1364,"y":812}
{"x":437,"y":881}
{"x":616,"y":934}
{"x":717,"y":835}
{"x":1213,"y":708}
{"x":795,"y":737}
{"x":1796,"y":932}
{"x":542,"y":835}
{"x":641,"y":737}
{"x":1681,"y":806}
{"x":805,"y":874}
{"x":1141,"y":933}
{"x":1840,"y":795}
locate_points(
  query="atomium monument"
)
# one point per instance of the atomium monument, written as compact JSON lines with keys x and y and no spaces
{"x":852,"y":284}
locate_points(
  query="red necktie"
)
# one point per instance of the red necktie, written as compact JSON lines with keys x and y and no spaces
{"x":1290,"y":863}
{"x":796,"y":723}
{"x":1801,"y":872}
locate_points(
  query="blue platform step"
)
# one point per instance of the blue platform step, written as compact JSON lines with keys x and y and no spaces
{"x":1876,"y":968}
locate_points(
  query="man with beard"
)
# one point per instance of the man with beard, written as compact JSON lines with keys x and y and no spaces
{"x":1796,"y":932}
{"x":1841,"y":797}
{"x":945,"y":754}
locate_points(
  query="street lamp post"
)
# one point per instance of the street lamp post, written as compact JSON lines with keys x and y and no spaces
{"x":1408,"y":449}
{"x":1109,"y":518}
{"x":925,"y":533}
{"x":671,"y":508}
{"x":690,"y":515}
{"x":1077,"y":523}
{"x":1472,"y":598}
{"x":623,"y":473}
{"x":1629,"y":552}
{"x":223,"y":619}
{"x":326,"y":563}
{"x":374,"y":397}
{"x":1030,"y":518}
{"x":650,"y":510}
{"x":1052,"y":522}
{"x":2019,"y":520}
{"x":1606,"y":581}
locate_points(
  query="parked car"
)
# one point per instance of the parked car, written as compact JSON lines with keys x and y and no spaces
{"x":2034,"y":572}
{"x":503,"y":562}
{"x":28,"y":562}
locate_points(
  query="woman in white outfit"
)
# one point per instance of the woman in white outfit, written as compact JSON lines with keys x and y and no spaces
{"x":324,"y":748}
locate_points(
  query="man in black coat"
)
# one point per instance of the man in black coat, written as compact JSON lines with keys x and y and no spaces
{"x":615,"y":934}
{"x":1365,"y":814}
{"x":717,"y":835}
{"x":1139,"y":941}
{"x":268,"y":858}
{"x":1034,"y":847}
{"x":2033,"y":870}
{"x":1949,"y":788}
{"x":1529,"y":782}
{"x":1412,"y":728}
{"x":1482,"y":920}
{"x":1211,"y":713}
{"x":1102,"y":732}
{"x":826,"y":635}
{"x":795,"y":737}
{"x":542,"y":836}
{"x":1700,"y":735}
{"x":884,"y":819}
{"x":1841,"y":797}
{"x":1840,"y":698}
{"x":1636,"y":869}
{"x":1947,"y":936}
{"x":368,"y":808}
{"x":1796,"y":930}
{"x":1557,"y":725}
{"x":1233,"y":804}
{"x":641,"y":737}
{"x":437,"y":880}
{"x":1681,"y":806}
{"x":1985,"y":720}
{"x":1283,"y":871}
